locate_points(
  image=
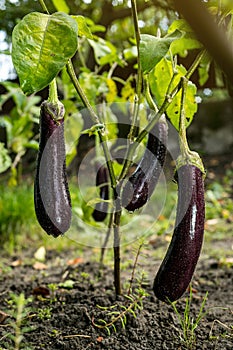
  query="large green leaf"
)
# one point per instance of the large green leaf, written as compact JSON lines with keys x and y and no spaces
{"x":159,"y":80}
{"x":41,"y":46}
{"x":153,"y":49}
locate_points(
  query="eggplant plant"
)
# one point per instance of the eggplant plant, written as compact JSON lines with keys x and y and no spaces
{"x":43,"y":48}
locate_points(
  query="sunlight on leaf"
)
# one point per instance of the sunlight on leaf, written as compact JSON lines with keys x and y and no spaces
{"x":159,"y":80}
{"x":39,"y":50}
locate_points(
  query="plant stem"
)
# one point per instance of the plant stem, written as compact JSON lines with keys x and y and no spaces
{"x":96,"y":120}
{"x":116,"y":247}
{"x":135,"y":21}
{"x":149,"y":98}
{"x":130,"y":290}
{"x":44,"y":7}
{"x":20,"y":302}
{"x":103,"y":141}
{"x":184,"y":147}
{"x":74,"y":79}
{"x":108,"y":157}
{"x":110,"y":225}
{"x":195,"y":64}
{"x":133,"y":128}
{"x":186,"y":155}
{"x":53,"y":97}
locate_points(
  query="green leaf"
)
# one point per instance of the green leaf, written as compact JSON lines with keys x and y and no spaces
{"x":215,"y":6}
{"x":122,"y":322}
{"x":94,"y":85}
{"x":159,"y":80}
{"x":61,"y":5}
{"x":153,"y":49}
{"x":32,"y":144}
{"x":187,"y":41}
{"x":83,"y":29}
{"x":41,"y":47}
{"x":3,"y":99}
{"x":68,"y":284}
{"x":108,"y":330}
{"x":5,"y":160}
{"x":203,"y":69}
{"x":111,"y":124}
{"x":130,"y":53}
{"x":133,"y":313}
{"x":104,"y":51}
{"x":114,"y":327}
{"x":94,"y":27}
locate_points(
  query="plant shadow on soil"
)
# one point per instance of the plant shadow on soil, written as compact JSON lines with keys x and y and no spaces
{"x":63,"y":298}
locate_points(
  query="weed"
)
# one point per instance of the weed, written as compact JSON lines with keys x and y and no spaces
{"x":119,"y":312}
{"x":85,"y":275}
{"x":53,"y":287}
{"x":68,"y":284}
{"x":20,"y":313}
{"x":45,"y":313}
{"x":187,"y":322}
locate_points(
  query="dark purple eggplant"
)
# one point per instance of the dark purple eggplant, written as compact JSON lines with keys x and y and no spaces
{"x":177,"y":268}
{"x":101,"y":209}
{"x":141,"y":184}
{"x":51,"y":194}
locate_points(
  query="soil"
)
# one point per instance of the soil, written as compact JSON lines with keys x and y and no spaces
{"x":67,"y":295}
{"x":64,"y":317}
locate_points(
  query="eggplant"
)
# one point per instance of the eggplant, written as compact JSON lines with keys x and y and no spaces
{"x":101,"y":209}
{"x":141,"y":184}
{"x":177,"y":268}
{"x":51,"y":193}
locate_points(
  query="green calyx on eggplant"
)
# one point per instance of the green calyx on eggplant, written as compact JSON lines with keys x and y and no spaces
{"x":141,"y":184}
{"x":51,"y":193}
{"x":178,"y":265}
{"x":101,"y":208}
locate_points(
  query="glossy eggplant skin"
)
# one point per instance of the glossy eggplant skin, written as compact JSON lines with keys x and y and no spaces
{"x":177,"y":268}
{"x":141,"y":184}
{"x":101,"y":209}
{"x":51,"y":193}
